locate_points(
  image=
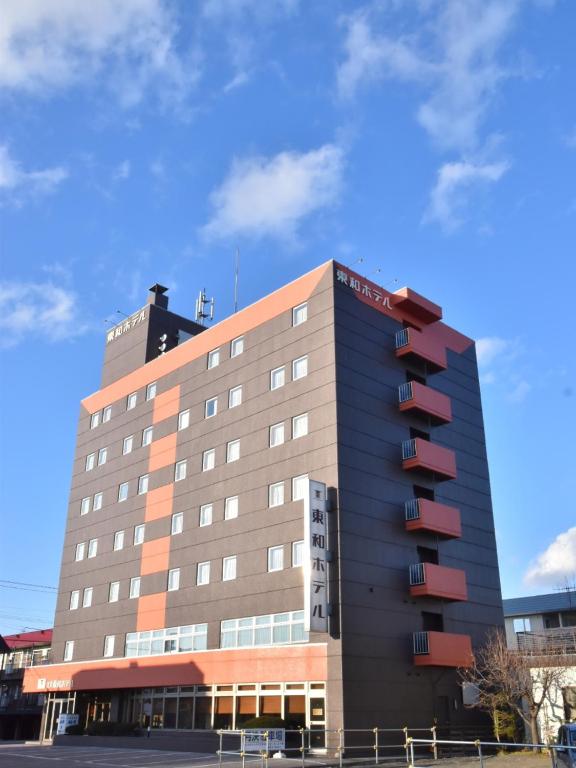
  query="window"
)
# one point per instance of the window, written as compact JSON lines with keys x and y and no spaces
{"x":139,"y":534}
{"x":107,"y":414}
{"x":297,"y":554}
{"x":127,"y":445}
{"x":190,"y":638}
{"x":276,"y":434}
{"x":94,"y":420}
{"x":74,"y":599}
{"x":123,"y":491}
{"x":143,"y":484}
{"x":68,"y":650}
{"x":180,"y":470}
{"x":208,"y":459}
{"x":118,"y":541}
{"x":102,"y":456}
{"x":299,"y":487}
{"x":235,"y":397}
{"x":134,"y":587}
{"x":237,"y":346}
{"x":184,"y":419}
{"x":90,"y":462}
{"x":147,"y":435}
{"x":275,"y":494}
{"x":151,"y":391}
{"x":300,"y":368}
{"x":522,"y":624}
{"x":131,"y":401}
{"x":275,"y":558}
{"x":210,"y":407}
{"x":206,"y":514}
{"x":108,"y":646}
{"x":299,"y":426}
{"x":229,"y":568}
{"x":203,"y":574}
{"x":300,"y":314}
{"x":231,"y":508}
{"x":92,"y":547}
{"x":173,"y":579}
{"x":213,"y":358}
{"x":98,"y":498}
{"x":87,"y":598}
{"x":177,"y":523}
{"x":80,"y":551}
{"x":85,"y":506}
{"x":275,"y":629}
{"x":233,"y":451}
{"x":277,"y":377}
{"x":113,"y":591}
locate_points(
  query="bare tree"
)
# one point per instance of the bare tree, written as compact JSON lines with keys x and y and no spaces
{"x":514,"y":680}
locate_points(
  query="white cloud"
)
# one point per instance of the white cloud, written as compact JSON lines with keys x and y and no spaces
{"x":454,"y":185}
{"x":225,"y":9}
{"x":122,"y":171}
{"x":16,"y":182}
{"x":42,"y":310}
{"x":129,"y":46}
{"x":557,"y":563}
{"x":520,"y":391}
{"x":271,"y":196}
{"x":489,"y":348}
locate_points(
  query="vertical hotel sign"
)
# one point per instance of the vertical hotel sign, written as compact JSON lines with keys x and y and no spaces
{"x":316,"y":558}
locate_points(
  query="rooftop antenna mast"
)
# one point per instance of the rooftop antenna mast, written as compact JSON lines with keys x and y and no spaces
{"x":236,"y":271}
{"x":202,"y":312}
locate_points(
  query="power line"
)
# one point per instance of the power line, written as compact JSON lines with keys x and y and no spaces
{"x":26,"y":584}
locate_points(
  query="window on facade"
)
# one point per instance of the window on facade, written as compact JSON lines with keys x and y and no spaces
{"x":143,"y":484}
{"x":229,"y":568}
{"x":522,"y":624}
{"x":139,"y":531}
{"x":231,"y":508}
{"x":300,"y":426}
{"x":275,"y":558}
{"x":235,"y":397}
{"x":94,"y":420}
{"x":102,"y":456}
{"x":92,"y":547}
{"x":299,"y":487}
{"x":128,"y":445}
{"x":233,"y":451}
{"x":213,"y":358}
{"x":147,"y":435}
{"x":275,"y":629}
{"x":90,"y":462}
{"x":74,"y":599}
{"x":85,"y":506}
{"x":173,"y":579}
{"x":206,"y":514}
{"x":300,"y":367}
{"x":87,"y":597}
{"x":80,"y":551}
{"x":203,"y":574}
{"x":118,"y":540}
{"x":208,"y":459}
{"x":237,"y":346}
{"x":184,"y":419}
{"x":275,"y":494}
{"x":151,"y":391}
{"x":180,"y":470}
{"x":134,"y":587}
{"x":300,"y":314}
{"x":276,"y":434}
{"x":131,"y":401}
{"x":297,"y":554}
{"x":210,"y":407}
{"x":113,"y":591}
{"x":108,"y":646}
{"x":107,"y":413}
{"x":98,"y":499}
{"x":171,"y":640}
{"x":277,"y":377}
{"x":68,"y":650}
{"x":177,"y":523}
{"x":123,"y":491}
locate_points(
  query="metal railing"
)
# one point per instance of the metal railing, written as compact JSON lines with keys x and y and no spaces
{"x":417,"y":572}
{"x":408,"y":449}
{"x":405,"y":392}
{"x":421,"y":643}
{"x":402,"y":338}
{"x":477,"y":748}
{"x":412,"y":509}
{"x":560,"y":640}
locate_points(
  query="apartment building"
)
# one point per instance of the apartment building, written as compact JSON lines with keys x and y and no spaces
{"x":286,"y":513}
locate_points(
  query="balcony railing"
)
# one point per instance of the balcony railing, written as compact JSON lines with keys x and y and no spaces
{"x":425,"y":401}
{"x":412,"y":509}
{"x":425,"y":456}
{"x":421,"y":643}
{"x":417,"y":574}
{"x":402,"y":338}
{"x":441,"y":649}
{"x":550,"y":642}
{"x":405,"y":392}
{"x":408,"y":449}
{"x":426,"y":515}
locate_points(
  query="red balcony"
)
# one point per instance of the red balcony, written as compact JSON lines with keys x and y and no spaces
{"x":420,"y":308}
{"x":431,"y":580}
{"x":426,"y":515}
{"x":419,"y":454}
{"x":442,"y":649}
{"x":411,"y":343}
{"x":418,"y":398}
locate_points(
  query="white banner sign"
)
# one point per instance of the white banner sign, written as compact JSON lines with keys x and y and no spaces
{"x":316,"y":558}
{"x":64,"y":721}
{"x":255,"y":739}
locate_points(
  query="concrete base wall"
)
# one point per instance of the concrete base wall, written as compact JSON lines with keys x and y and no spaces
{"x":178,"y":741}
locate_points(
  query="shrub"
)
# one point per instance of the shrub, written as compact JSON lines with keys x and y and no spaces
{"x":109,"y":728}
{"x":265,"y":721}
{"x":75,"y":730}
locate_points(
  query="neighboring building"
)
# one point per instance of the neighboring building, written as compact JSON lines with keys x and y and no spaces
{"x":21,"y":713}
{"x":288,"y":513}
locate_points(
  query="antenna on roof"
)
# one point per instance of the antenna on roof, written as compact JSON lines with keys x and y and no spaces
{"x":118,"y":312}
{"x":236,"y":271}
{"x":358,"y":261}
{"x":201,"y":313}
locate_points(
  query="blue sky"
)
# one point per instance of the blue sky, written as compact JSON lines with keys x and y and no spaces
{"x":142,"y":141}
